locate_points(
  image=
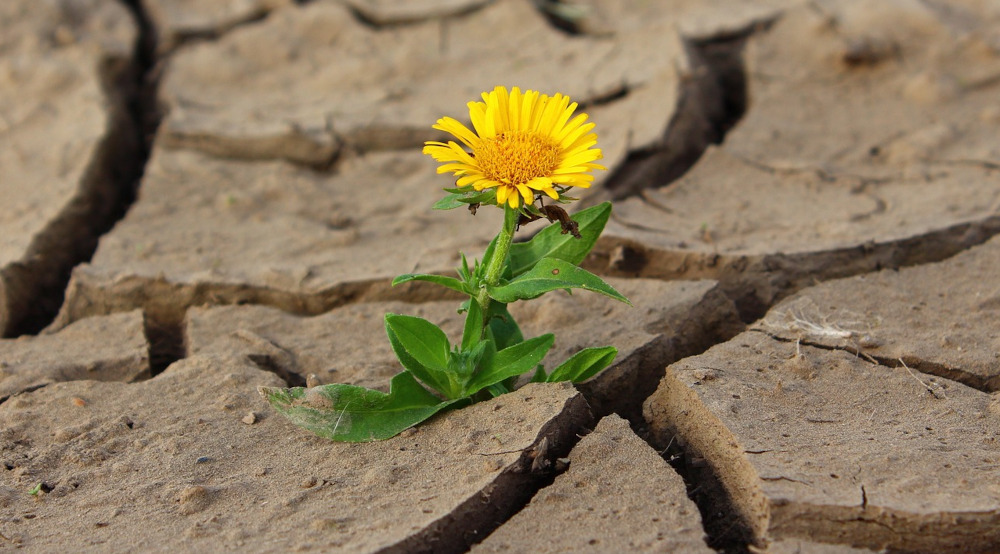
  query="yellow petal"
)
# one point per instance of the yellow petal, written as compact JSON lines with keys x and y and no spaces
{"x":571,"y":129}
{"x":529,"y":196}
{"x":513,"y":199}
{"x":563,"y":117}
{"x":501,"y":116}
{"x":477,"y":114}
{"x":502,"y":193}
{"x":470,"y":179}
{"x":556,"y":114}
{"x":440,"y":153}
{"x":582,"y":143}
{"x":540,"y":183}
{"x":462,"y":155}
{"x":586,"y":156}
{"x":461,"y":132}
{"x":529,"y":110}
{"x":570,"y":178}
{"x":513,"y":111}
{"x":490,"y":127}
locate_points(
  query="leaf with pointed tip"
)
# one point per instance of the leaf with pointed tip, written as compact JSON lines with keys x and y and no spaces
{"x":551,"y":274}
{"x":550,"y":242}
{"x":423,"y":349}
{"x":510,"y":362}
{"x":472,"y":334}
{"x":539,"y":375}
{"x":443,"y":280}
{"x":488,"y":196}
{"x":348,"y":413}
{"x":503,"y":327}
{"x":449,"y":202}
{"x":583,"y":365}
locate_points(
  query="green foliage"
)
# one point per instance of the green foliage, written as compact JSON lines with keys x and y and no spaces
{"x":492,"y":353}
{"x":550,"y":274}
{"x":445,"y":281}
{"x":502,"y":328}
{"x":456,"y":198}
{"x":551,"y":242}
{"x":583,"y":365}
{"x":423,"y":350}
{"x":356,"y":414}
{"x":510,"y":362}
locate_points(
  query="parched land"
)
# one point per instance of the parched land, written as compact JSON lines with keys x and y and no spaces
{"x":200,"y":198}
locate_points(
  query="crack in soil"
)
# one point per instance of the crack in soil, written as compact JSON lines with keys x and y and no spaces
{"x":26,"y":390}
{"x":755,"y":282}
{"x":926,"y":367}
{"x":185,"y":37}
{"x":725,"y":529}
{"x":164,"y":304}
{"x":476,"y":518}
{"x":711,"y":102}
{"x":35,"y":287}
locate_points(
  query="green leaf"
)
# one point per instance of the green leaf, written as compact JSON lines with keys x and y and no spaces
{"x":458,"y":197}
{"x":510,"y":362}
{"x":539,"y":376}
{"x":443,"y":280}
{"x":449,"y":202}
{"x":480,"y":267}
{"x":472,"y":334}
{"x":583,"y":365}
{"x":551,"y":274}
{"x":488,"y":196}
{"x":464,"y":271}
{"x":423,"y":349}
{"x":503,"y":327}
{"x":496,"y":389}
{"x":347,"y":413}
{"x":551,"y":243}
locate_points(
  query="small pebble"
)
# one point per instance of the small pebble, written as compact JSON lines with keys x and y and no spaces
{"x":78,"y":402}
{"x":308,"y":483}
{"x":250,"y":418}
{"x":202,"y":460}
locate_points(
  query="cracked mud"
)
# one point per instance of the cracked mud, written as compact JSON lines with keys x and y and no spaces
{"x":207,"y":197}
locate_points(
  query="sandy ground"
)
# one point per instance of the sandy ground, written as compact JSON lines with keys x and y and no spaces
{"x":200,"y":198}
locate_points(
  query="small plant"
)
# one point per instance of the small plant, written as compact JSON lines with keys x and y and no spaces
{"x":526,"y":152}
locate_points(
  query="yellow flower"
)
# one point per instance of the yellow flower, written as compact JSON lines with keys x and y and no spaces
{"x":523,"y":143}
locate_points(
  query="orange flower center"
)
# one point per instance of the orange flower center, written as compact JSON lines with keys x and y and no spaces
{"x":517,"y":157}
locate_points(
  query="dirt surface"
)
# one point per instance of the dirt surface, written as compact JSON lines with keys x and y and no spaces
{"x":201,"y":198}
{"x":592,"y":507}
{"x":866,"y":143}
{"x":109,"y":348}
{"x":227,"y":473}
{"x":340,"y":346}
{"x":67,"y":145}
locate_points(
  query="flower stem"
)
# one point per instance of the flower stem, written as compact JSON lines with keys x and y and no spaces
{"x":496,"y":264}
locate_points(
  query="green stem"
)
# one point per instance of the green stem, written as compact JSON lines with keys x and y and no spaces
{"x":496,"y":265}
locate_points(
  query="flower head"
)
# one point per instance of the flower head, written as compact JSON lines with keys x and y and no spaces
{"x":523,"y":145}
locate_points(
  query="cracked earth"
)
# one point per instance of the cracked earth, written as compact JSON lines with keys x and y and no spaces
{"x":207,"y":197}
